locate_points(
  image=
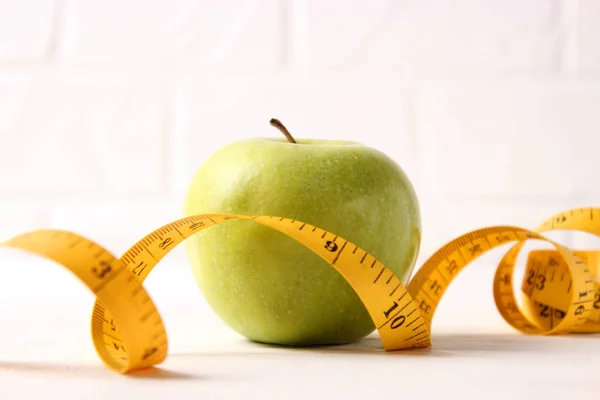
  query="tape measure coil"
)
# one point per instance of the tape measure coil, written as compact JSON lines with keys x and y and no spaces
{"x":128,"y":332}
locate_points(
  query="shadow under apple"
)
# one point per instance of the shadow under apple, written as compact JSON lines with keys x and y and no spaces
{"x":444,"y":345}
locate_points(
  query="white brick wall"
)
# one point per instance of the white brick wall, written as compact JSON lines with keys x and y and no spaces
{"x":434,"y":36}
{"x":107,"y":108}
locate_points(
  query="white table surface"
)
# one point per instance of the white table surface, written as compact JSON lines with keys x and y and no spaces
{"x":46,"y":349}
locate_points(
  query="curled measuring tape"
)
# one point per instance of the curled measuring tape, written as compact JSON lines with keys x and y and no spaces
{"x":560,"y":289}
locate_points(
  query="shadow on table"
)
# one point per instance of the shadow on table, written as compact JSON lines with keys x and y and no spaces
{"x":90,"y":371}
{"x":444,"y":345}
{"x":456,"y":344}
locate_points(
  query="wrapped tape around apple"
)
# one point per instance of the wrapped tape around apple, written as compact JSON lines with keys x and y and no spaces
{"x":560,"y":288}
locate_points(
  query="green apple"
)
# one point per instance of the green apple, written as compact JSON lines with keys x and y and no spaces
{"x":270,"y":288}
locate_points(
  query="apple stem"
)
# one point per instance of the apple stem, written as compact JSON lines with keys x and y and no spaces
{"x":277,"y":124}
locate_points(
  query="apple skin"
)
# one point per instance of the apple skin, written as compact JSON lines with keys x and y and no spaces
{"x":268,"y":287}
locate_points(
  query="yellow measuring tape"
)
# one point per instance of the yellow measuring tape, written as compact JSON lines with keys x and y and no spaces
{"x":560,"y":288}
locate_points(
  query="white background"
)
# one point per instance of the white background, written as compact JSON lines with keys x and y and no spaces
{"x":108,"y":107}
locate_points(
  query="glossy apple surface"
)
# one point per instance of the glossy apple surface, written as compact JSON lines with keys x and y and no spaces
{"x":265,"y":285}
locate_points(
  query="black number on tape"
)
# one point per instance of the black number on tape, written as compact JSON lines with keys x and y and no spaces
{"x":331,"y":246}
{"x":165,"y":243}
{"x":531,"y":277}
{"x":137,"y":270}
{"x":398,"y":321}
{"x":541,"y":281}
{"x":392,"y":308}
{"x":196,"y":225}
{"x":101,"y":271}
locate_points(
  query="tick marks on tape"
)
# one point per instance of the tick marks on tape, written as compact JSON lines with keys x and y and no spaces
{"x":560,"y":289}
